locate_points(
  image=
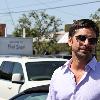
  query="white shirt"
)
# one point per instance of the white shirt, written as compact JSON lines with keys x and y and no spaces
{"x":64,"y":87}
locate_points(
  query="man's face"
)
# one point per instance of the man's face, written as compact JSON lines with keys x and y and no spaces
{"x":83,"y":42}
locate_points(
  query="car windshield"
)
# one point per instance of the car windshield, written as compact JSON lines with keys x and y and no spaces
{"x":42,"y":70}
{"x":32,"y":96}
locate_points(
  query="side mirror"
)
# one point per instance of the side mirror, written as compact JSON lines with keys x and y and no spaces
{"x":16,"y":78}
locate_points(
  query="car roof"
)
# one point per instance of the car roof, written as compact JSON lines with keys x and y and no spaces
{"x":30,"y":59}
{"x":37,"y":89}
{"x":42,"y":88}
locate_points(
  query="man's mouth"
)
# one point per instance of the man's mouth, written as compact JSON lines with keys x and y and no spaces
{"x":85,"y":49}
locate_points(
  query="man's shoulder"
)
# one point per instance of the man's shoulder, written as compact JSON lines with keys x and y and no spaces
{"x":97,"y":67}
{"x":62,"y":68}
{"x":98,"y":63}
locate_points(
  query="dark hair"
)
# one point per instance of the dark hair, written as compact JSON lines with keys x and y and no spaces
{"x":83,"y":23}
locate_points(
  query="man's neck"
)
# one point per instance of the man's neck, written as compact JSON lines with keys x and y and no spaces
{"x":79,"y":63}
{"x":78,"y":68}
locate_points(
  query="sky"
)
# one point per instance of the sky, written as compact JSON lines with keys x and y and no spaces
{"x":66,"y":10}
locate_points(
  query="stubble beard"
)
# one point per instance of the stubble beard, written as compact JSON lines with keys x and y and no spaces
{"x":83,"y":55}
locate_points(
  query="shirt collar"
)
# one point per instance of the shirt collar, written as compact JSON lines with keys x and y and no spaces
{"x":66,"y":66}
{"x":92,"y":63}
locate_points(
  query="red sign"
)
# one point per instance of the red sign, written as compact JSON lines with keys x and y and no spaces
{"x":2,"y":29}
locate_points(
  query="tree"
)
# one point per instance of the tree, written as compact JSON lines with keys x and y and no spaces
{"x":96,"y":18}
{"x":23,"y":23}
{"x":37,"y":24}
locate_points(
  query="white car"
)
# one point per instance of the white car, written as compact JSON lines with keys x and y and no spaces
{"x":19,"y":73}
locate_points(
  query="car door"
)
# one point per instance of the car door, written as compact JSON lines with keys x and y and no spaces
{"x":7,"y":88}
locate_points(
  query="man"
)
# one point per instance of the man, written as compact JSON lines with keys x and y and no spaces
{"x":78,"y":78}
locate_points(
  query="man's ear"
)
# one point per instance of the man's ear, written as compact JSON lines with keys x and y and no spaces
{"x":70,"y":41}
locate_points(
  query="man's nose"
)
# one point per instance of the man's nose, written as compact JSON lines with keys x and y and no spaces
{"x":86,"y":42}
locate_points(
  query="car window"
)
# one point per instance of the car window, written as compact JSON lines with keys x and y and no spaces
{"x":32,"y":96}
{"x":42,"y":70}
{"x":17,"y":68}
{"x":6,"y":69}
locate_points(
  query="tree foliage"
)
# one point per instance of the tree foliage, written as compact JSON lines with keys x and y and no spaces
{"x":96,"y":18}
{"x":37,"y":24}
